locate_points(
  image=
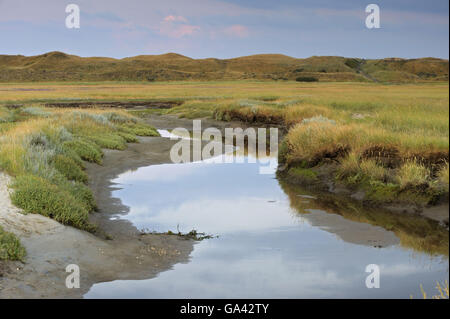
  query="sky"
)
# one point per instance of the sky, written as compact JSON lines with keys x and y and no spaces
{"x":227,"y":28}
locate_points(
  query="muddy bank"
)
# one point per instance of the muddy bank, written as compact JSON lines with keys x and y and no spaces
{"x":118,"y":104}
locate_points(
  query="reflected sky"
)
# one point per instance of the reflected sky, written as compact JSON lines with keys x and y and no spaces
{"x":265,"y":248}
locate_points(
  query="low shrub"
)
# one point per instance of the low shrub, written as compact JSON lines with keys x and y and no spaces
{"x":39,"y":196}
{"x":10,"y":247}
{"x":69,"y":168}
{"x":138,"y":129}
{"x":85,"y":149}
{"x":110,"y":141}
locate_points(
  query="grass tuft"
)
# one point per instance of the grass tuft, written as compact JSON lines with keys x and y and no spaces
{"x":86,"y":150}
{"x":413,"y":174}
{"x":39,"y":196}
{"x":10,"y":247}
{"x":69,"y":168}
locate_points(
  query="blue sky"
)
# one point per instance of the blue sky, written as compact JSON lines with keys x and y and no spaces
{"x":226,"y":28}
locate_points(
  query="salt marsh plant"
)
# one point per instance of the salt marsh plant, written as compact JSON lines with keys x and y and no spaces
{"x":45,"y":151}
{"x":10,"y":247}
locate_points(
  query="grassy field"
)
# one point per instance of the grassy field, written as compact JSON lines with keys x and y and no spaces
{"x":390,"y":140}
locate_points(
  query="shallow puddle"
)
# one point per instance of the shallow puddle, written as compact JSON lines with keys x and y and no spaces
{"x":274,"y":240}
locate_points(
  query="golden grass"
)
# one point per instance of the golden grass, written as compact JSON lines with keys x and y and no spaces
{"x":413,"y":174}
{"x":410,"y":119}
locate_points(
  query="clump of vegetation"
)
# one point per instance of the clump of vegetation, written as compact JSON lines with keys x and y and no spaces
{"x":306,"y":79}
{"x":137,"y":129}
{"x":40,"y":196}
{"x":45,"y":154}
{"x":6,"y":116}
{"x":413,"y":174}
{"x":70,"y":168}
{"x":192,"y":235}
{"x":315,"y":140}
{"x":85,"y":149}
{"x":10,"y":247}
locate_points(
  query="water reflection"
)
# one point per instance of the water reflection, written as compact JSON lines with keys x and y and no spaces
{"x":274,"y":241}
{"x":414,"y":232}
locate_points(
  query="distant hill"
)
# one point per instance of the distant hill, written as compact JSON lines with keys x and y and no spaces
{"x":58,"y":66}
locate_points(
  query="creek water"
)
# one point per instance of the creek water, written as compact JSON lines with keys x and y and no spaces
{"x":274,"y":240}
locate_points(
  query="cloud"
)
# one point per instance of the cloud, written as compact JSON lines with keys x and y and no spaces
{"x":172,"y":18}
{"x":177,"y":27}
{"x":237,"y":30}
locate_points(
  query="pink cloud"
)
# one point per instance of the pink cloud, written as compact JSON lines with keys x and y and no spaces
{"x":177,"y":27}
{"x":172,"y":18}
{"x":237,"y":30}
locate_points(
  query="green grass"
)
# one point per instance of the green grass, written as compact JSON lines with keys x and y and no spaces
{"x":39,"y":196}
{"x":70,"y":168}
{"x":86,"y":150}
{"x":45,"y":150}
{"x":10,"y":247}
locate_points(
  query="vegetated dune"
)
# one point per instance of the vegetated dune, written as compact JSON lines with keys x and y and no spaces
{"x":58,"y":66}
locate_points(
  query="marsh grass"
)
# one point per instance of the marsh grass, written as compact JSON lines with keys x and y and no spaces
{"x":45,"y":151}
{"x":382,"y":125}
{"x":413,"y":174}
{"x":10,"y":247}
